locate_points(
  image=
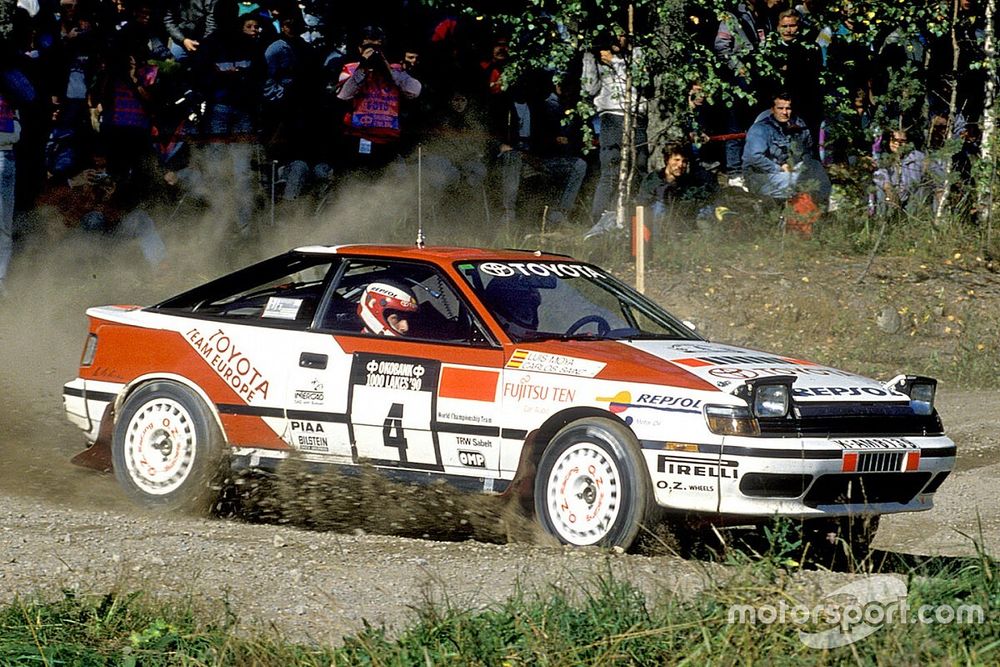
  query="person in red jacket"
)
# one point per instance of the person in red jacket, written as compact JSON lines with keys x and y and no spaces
{"x":374,"y":89}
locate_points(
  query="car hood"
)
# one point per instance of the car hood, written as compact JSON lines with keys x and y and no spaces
{"x":726,"y":367}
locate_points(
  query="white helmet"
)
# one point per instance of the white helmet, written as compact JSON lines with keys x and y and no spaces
{"x":381,"y":299}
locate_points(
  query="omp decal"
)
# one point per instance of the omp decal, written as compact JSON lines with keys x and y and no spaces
{"x":229,"y":363}
{"x":877,"y":443}
{"x":468,"y":383}
{"x":542,"y":362}
{"x":696,"y":467}
{"x":526,"y":390}
{"x":771,"y":453}
{"x":282,"y":308}
{"x":507,"y":269}
{"x":623,"y":401}
{"x":472,"y":459}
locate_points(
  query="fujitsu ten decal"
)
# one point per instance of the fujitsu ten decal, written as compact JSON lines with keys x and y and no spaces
{"x":230,"y":363}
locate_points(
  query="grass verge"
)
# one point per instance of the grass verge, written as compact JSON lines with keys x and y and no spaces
{"x":610,"y":622}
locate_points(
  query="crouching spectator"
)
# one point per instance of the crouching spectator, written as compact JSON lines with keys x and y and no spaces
{"x":93,"y":200}
{"x":778,"y":160}
{"x":678,"y":189}
{"x":903,"y":179}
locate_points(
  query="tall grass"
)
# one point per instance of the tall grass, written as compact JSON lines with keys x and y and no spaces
{"x":606,"y":622}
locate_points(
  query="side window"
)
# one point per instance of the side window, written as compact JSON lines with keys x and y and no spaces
{"x":398,"y":299}
{"x":277,"y":293}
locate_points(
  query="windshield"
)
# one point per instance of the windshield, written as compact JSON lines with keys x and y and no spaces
{"x":567,"y":300}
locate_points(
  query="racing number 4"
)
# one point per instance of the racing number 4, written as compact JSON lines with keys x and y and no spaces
{"x":392,"y":431}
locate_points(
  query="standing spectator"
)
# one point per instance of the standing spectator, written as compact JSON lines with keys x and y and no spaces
{"x":15,"y":92}
{"x":534,"y":140}
{"x":603,"y":78}
{"x":189,"y":23}
{"x":739,"y":35}
{"x":231,"y":70}
{"x":456,"y":147}
{"x":795,"y":68}
{"x":374,"y":89}
{"x":143,"y":28}
{"x":778,"y":157}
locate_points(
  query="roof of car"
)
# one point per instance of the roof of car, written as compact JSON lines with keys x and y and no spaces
{"x":438,"y":253}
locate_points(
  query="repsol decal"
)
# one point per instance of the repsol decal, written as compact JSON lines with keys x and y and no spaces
{"x":696,"y":467}
{"x":230,"y":363}
{"x":841,"y":391}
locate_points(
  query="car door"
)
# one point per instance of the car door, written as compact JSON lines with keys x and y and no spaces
{"x":425,"y":402}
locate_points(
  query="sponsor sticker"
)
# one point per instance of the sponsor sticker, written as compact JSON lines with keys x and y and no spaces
{"x":314,"y":395}
{"x":525,"y":390}
{"x":542,"y":362}
{"x":690,"y":466}
{"x":877,"y":443}
{"x":282,"y":308}
{"x":309,"y":436}
{"x":623,"y":400}
{"x":472,"y":459}
{"x":230,"y":363}
{"x":540,"y":269}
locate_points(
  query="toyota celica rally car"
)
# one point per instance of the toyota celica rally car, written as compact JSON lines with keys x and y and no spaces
{"x":508,"y":365}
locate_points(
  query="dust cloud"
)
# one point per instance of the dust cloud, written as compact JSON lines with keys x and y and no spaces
{"x":58,"y":272}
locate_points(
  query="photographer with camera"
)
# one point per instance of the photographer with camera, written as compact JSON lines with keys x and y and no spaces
{"x":374,"y":89}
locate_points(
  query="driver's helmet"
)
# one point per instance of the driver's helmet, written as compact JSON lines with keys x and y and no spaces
{"x":515,"y":300}
{"x":381,"y":299}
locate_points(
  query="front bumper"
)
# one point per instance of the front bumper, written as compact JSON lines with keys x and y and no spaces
{"x":803,"y":478}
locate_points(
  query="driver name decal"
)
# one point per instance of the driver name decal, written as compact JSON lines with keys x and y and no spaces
{"x":230,"y":363}
{"x":541,"y":362}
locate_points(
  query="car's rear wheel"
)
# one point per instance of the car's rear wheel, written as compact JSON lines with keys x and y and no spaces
{"x":591,"y":487}
{"x":167,"y":450}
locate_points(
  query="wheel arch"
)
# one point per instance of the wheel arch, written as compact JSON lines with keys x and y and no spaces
{"x":143,"y":380}
{"x":523,"y":484}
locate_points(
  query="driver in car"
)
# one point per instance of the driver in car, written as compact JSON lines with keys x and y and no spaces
{"x":386,"y":308}
{"x":515,"y":301}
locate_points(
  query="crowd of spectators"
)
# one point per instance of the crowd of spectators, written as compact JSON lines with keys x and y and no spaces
{"x":108,"y":105}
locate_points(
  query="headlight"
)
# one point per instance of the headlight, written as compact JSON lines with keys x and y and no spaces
{"x":770,"y":400}
{"x":731,"y":420}
{"x":921,"y":391}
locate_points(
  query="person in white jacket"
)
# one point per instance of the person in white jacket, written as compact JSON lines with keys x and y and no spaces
{"x":603,"y":78}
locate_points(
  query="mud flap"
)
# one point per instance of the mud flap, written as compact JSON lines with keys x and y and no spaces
{"x":96,"y":457}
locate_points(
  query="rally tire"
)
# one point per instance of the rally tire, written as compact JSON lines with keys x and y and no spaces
{"x":167,"y":451}
{"x":592,"y":487}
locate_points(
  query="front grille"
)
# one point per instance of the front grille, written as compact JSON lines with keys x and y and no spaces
{"x":866,"y":488}
{"x":880,"y":461}
{"x":833,"y":420}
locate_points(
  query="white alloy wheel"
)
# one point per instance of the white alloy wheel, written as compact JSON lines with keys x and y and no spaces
{"x":591,"y":485}
{"x":160,"y":446}
{"x":167,"y":450}
{"x":583,"y":494}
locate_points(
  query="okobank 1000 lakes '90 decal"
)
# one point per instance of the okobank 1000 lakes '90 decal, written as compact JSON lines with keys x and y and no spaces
{"x":491,"y":366}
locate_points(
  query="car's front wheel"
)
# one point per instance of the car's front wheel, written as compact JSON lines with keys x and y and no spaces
{"x":591,"y":487}
{"x":167,"y":450}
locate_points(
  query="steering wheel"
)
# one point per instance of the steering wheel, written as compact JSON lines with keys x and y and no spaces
{"x":602,"y":325}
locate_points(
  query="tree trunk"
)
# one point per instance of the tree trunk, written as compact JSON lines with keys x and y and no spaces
{"x":984,"y":204}
{"x":942,"y":200}
{"x":628,"y":132}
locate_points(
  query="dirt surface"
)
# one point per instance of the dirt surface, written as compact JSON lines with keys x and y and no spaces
{"x":66,"y":527}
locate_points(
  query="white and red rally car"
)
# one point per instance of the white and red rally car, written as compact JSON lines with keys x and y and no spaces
{"x":509,"y":364}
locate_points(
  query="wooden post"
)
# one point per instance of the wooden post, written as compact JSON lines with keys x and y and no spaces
{"x":639,"y":238}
